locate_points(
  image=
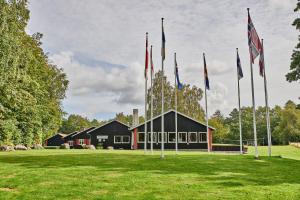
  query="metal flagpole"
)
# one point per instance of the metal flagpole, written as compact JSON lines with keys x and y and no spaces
{"x":145,"y":135}
{"x":253,"y":103}
{"x":162,"y":92}
{"x":240,"y":114}
{"x":206,"y":113}
{"x":151,"y":65}
{"x":176,"y":132}
{"x":253,"y":108}
{"x":267,"y":103}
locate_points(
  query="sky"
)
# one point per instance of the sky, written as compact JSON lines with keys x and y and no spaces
{"x":100,"y":44}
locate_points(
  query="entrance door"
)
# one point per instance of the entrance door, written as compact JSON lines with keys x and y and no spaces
{"x":103,"y":141}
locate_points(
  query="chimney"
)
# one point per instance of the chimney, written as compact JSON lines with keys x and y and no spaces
{"x":135,"y":117}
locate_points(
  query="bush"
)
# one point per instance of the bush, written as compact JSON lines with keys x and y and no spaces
{"x":51,"y":147}
{"x":65,"y":146}
{"x":79,"y":146}
{"x":99,"y":146}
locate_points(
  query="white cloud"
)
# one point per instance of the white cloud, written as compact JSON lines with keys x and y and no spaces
{"x":114,"y":32}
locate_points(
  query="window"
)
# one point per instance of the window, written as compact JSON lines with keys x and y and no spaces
{"x":125,"y":139}
{"x":165,"y":137}
{"x":202,"y":137}
{"x":182,"y":137}
{"x":119,"y":139}
{"x":193,"y":137}
{"x":141,"y":137}
{"x":154,"y":137}
{"x":71,"y":142}
{"x":172,"y":137}
{"x":81,"y":141}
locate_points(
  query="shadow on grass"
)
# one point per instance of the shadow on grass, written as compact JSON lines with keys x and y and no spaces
{"x":224,"y":170}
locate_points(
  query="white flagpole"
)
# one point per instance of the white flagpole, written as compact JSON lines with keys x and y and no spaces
{"x":162,"y":100}
{"x":240,"y":114}
{"x":176,"y":131}
{"x":145,"y":135}
{"x":267,"y":104}
{"x":253,"y":104}
{"x":206,"y":112}
{"x":151,"y":64}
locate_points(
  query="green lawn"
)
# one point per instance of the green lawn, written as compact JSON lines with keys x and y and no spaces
{"x":86,"y":174}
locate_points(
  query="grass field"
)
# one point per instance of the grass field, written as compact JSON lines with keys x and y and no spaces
{"x":86,"y":174}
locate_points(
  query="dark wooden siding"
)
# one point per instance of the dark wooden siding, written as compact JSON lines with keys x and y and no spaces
{"x":184,"y":124}
{"x":56,"y":140}
{"x":111,"y":130}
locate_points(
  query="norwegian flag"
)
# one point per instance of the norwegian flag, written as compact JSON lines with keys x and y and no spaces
{"x":262,"y":62}
{"x":253,"y":40}
{"x":146,"y":57}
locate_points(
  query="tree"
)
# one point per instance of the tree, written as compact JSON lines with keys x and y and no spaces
{"x":31,"y":88}
{"x":222,"y":130}
{"x":294,"y":73}
{"x":77,"y":123}
{"x":188,"y":99}
{"x":289,"y":127}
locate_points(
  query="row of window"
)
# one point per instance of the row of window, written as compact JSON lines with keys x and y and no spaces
{"x":71,"y":142}
{"x":170,"y":137}
{"x":121,"y":139}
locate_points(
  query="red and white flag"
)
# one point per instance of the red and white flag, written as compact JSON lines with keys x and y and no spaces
{"x":253,"y":40}
{"x":261,"y":62}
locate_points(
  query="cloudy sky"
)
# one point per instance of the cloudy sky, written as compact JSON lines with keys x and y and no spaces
{"x":100,"y":45}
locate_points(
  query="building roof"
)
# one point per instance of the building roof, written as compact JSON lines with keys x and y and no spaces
{"x":60,"y":134}
{"x":169,"y":111}
{"x":86,"y":130}
{"x":70,"y":134}
{"x":114,"y":120}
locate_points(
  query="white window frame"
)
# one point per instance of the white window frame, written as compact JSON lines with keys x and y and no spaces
{"x":179,"y":141}
{"x":169,"y":137}
{"x":120,"y":139}
{"x":154,"y":137}
{"x":199,"y":137}
{"x":123,"y":139}
{"x":71,"y":143}
{"x":139,"y":137}
{"x":189,"y":138}
{"x":81,"y":141}
{"x":159,"y":137}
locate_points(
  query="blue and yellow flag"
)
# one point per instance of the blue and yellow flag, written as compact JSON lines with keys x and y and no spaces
{"x":179,"y":85}
{"x":239,"y":66}
{"x":205,"y":73}
{"x":163,"y":45}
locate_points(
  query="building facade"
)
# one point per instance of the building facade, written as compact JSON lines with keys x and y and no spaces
{"x":112,"y":134}
{"x":191,"y":134}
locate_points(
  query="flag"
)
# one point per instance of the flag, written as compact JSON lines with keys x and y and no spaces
{"x":151,"y":61}
{"x":205,"y":74}
{"x":253,"y":40}
{"x":163,"y":45}
{"x":179,"y":85}
{"x":146,"y":57}
{"x":261,"y":62}
{"x":239,"y":66}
